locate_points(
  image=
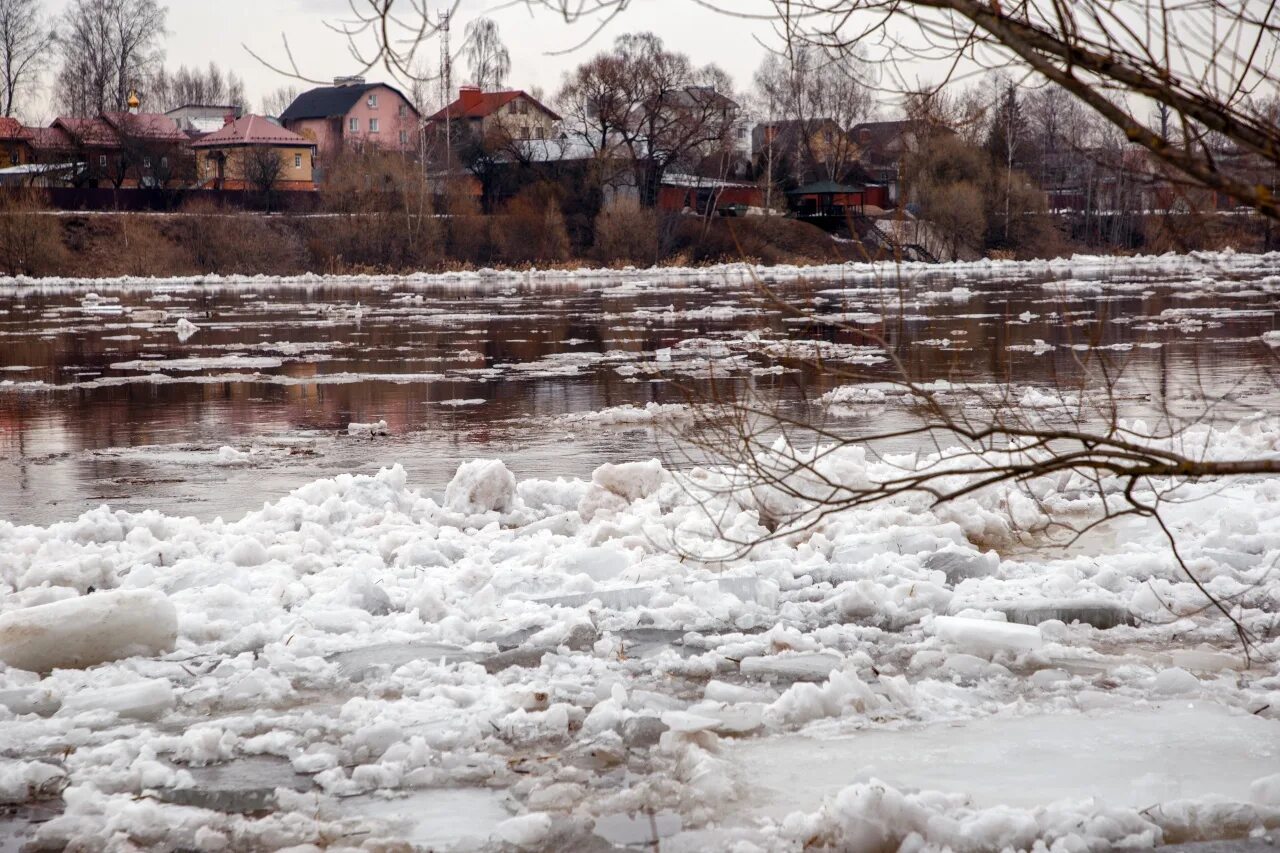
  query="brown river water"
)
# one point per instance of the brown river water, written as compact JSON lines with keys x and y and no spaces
{"x":101,"y":401}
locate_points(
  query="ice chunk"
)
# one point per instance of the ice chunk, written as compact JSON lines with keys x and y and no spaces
{"x":80,"y":632}
{"x":356,"y":664}
{"x":184,"y":329}
{"x":1101,"y":615}
{"x":985,"y":637}
{"x":613,"y":487}
{"x":805,"y":666}
{"x":959,"y":565}
{"x":370,"y":430}
{"x":30,"y":700}
{"x":143,"y":700}
{"x":622,"y":598}
{"x":21,"y":781}
{"x":526,"y":831}
{"x":1266,"y":791}
{"x":481,"y":485}
{"x":1174,"y":681}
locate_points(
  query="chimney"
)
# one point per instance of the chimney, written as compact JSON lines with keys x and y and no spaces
{"x":355,"y":80}
{"x":469,"y":97}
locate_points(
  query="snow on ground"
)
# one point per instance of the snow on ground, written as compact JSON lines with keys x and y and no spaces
{"x":528,"y":664}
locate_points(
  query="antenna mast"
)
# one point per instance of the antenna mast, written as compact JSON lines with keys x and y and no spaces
{"x":446,"y":81}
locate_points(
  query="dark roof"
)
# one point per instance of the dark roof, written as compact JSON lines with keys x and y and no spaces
{"x":824,"y":188}
{"x":487,"y":103}
{"x":329,"y":101}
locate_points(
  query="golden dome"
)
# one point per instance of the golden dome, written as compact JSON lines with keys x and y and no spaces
{"x":134,"y":100}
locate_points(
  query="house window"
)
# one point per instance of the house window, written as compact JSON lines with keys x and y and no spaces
{"x":540,"y":132}
{"x":404,"y":110}
{"x":164,"y":162}
{"x":297,"y":161}
{"x":373,"y":101}
{"x":404,"y":137}
{"x":524,"y":131}
{"x":102,"y":161}
{"x":354,"y":125}
{"x":373,"y":125}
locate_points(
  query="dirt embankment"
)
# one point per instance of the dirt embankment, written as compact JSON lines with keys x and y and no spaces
{"x":111,"y":244}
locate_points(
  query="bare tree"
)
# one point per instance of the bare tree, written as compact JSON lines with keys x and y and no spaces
{"x":108,"y":48}
{"x":487,"y":57}
{"x":822,"y":97}
{"x":25,"y":39}
{"x":185,"y":86}
{"x":263,"y":169}
{"x":278,"y":100}
{"x":651,"y":106}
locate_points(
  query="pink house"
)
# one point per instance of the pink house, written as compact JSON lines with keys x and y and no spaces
{"x":352,"y":114}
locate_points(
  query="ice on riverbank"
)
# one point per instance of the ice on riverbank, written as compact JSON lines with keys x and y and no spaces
{"x":568,"y":651}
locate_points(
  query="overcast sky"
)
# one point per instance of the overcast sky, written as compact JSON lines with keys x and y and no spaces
{"x":201,"y":31}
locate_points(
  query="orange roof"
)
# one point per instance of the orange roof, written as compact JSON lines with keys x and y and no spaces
{"x":251,"y":130}
{"x":484,"y":104}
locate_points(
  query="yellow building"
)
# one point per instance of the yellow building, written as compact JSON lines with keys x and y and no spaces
{"x":254,"y":153}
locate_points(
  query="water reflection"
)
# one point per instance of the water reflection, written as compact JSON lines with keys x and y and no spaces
{"x":101,"y":401}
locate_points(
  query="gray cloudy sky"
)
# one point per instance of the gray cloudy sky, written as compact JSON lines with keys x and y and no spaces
{"x":202,"y":31}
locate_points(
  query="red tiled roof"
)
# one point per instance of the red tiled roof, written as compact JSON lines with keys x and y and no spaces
{"x":87,"y":131}
{"x":153,"y":126}
{"x":48,"y":138}
{"x":486,"y":104}
{"x":11,"y":128}
{"x":251,"y":130}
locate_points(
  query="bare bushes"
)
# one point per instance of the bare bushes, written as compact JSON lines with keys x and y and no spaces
{"x":532,"y":228}
{"x":225,"y":241}
{"x":626,"y":233}
{"x":30,"y":242}
{"x":381,"y":216}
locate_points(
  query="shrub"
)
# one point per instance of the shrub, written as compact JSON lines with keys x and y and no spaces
{"x":625,"y":232}
{"x":223,"y":240}
{"x":30,"y":240}
{"x":532,"y":228}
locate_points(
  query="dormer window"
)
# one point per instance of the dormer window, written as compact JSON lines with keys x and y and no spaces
{"x":404,"y":110}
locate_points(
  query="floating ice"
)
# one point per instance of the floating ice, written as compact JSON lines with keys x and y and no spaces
{"x":144,"y":700}
{"x":185,"y":329}
{"x":985,"y":637}
{"x":481,"y":485}
{"x":88,"y":630}
{"x":368,"y":430}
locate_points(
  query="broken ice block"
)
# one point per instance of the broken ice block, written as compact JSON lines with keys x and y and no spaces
{"x":1101,"y":615}
{"x":811,"y":666}
{"x":80,"y":632}
{"x":985,"y":637}
{"x":143,"y":700}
